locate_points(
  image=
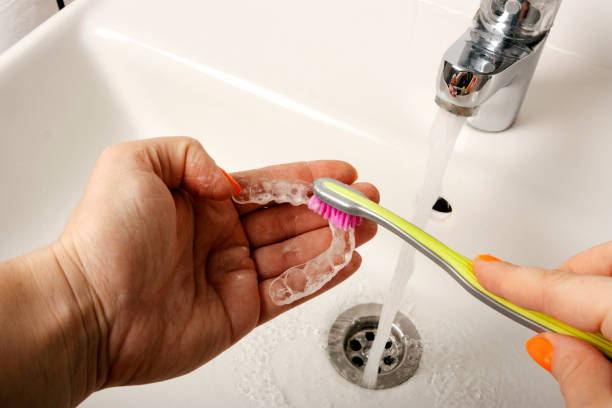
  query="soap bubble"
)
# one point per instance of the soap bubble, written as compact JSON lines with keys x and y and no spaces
{"x":266,"y":190}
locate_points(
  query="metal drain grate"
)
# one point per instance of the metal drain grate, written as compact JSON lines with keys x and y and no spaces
{"x":352,"y":335}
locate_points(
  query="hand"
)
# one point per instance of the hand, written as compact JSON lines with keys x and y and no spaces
{"x":578,"y":293}
{"x":161,"y":271}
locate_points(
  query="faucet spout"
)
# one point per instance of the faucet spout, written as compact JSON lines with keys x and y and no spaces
{"x":485,"y":74}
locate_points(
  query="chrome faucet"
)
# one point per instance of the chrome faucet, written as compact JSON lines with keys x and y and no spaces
{"x":485,"y":74}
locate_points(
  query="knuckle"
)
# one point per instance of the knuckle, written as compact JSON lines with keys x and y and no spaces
{"x":112,"y":152}
{"x":189,"y":142}
{"x":289,"y":256}
{"x":190,"y":149}
{"x":552,"y":282}
{"x":114,"y":155}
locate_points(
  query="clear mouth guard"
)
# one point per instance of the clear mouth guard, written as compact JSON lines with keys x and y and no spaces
{"x":302,"y":280}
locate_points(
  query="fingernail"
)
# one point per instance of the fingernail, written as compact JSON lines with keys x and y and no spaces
{"x":541,"y":350}
{"x":231,"y":179}
{"x":488,"y":258}
{"x":356,"y":175}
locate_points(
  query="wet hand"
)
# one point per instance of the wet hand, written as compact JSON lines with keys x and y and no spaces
{"x":579,"y":293}
{"x":178,"y":272}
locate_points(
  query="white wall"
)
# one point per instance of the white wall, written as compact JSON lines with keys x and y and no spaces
{"x":19,"y":17}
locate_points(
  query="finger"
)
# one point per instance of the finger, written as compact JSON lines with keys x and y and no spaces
{"x":593,"y":261}
{"x":582,"y":301}
{"x":177,"y":161}
{"x":271,"y":225}
{"x":584,"y":374}
{"x":306,"y":171}
{"x":272,"y":260}
{"x":269,"y":309}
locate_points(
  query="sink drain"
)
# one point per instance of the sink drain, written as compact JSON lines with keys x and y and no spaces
{"x":441,"y":210}
{"x":352,"y":335}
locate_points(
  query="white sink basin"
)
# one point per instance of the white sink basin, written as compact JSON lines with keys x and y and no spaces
{"x":274,"y":81}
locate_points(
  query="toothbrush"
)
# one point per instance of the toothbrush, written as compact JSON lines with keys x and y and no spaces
{"x":345,"y":206}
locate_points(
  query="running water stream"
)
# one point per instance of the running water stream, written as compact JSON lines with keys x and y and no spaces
{"x":442,"y":137}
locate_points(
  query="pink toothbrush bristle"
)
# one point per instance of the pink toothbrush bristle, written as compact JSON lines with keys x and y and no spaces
{"x":337,"y":217}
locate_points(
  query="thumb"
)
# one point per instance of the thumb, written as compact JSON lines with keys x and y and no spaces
{"x":584,"y":374}
{"x":178,"y":161}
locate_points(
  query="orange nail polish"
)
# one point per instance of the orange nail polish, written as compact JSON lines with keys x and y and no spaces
{"x":356,"y":175}
{"x":488,"y":258}
{"x":541,"y":350}
{"x":231,"y":179}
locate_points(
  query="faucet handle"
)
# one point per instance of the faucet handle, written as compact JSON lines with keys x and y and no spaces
{"x":518,"y":18}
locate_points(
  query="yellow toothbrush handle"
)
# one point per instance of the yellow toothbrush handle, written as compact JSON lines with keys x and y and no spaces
{"x":463,"y":266}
